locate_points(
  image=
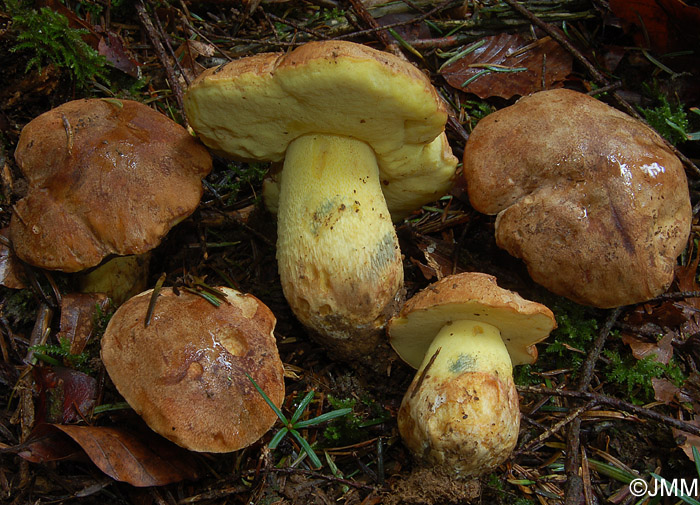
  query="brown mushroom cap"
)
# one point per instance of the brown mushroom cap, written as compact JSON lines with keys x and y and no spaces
{"x":105,"y":177}
{"x":185,"y":373}
{"x":475,"y":297}
{"x":591,"y":199}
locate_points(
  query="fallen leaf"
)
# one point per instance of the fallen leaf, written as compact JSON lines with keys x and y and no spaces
{"x":686,"y":441}
{"x":45,"y":444}
{"x":664,"y":315}
{"x":664,"y":390}
{"x":65,"y":395}
{"x":507,"y":65}
{"x":661,"y":25}
{"x":78,"y":312}
{"x":188,"y":53}
{"x":135,"y":458}
{"x":11,"y":269}
{"x":112,"y":48}
{"x":662,"y":350}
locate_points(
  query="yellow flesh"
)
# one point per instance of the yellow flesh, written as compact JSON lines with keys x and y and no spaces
{"x":337,"y":250}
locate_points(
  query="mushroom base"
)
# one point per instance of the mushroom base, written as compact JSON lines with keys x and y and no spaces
{"x":461,"y":411}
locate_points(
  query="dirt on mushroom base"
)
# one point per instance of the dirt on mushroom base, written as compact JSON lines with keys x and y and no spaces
{"x":425,"y":486}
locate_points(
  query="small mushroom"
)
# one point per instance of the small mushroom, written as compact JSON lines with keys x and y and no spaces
{"x":361,"y":134}
{"x":589,"y":198}
{"x":106,"y":177}
{"x":464,"y":334}
{"x":185,"y":373}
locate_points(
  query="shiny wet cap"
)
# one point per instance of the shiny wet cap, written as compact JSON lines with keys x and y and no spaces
{"x":185,"y":373}
{"x":105,"y":177}
{"x":592,"y":200}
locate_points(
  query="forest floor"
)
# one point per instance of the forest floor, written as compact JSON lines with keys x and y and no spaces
{"x":615,"y":394}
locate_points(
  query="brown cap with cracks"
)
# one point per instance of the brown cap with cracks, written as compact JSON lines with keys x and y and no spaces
{"x":591,"y":199}
{"x":185,"y":373}
{"x":105,"y":177}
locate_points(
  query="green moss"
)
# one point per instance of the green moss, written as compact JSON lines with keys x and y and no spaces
{"x":47,"y":38}
{"x":49,"y":352}
{"x":351,"y":428}
{"x":668,"y":118}
{"x":635,"y":376}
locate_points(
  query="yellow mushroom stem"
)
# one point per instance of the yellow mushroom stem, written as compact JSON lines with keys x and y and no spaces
{"x":120,"y":277}
{"x":337,"y":250}
{"x":461,"y":410}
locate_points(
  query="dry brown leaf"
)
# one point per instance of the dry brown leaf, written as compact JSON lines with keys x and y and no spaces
{"x":78,"y":311}
{"x":188,"y":53}
{"x":11,"y":269}
{"x":666,"y":25}
{"x":663,"y":349}
{"x":507,"y":65}
{"x":664,"y":390}
{"x":687,"y":440}
{"x":112,"y":48}
{"x":129,"y":457}
{"x":65,"y":395}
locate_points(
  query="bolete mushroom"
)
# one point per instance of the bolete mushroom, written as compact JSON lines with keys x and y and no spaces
{"x":464,"y":334}
{"x":357,"y":129}
{"x":185,"y":373}
{"x":105,"y":177}
{"x":589,"y":198}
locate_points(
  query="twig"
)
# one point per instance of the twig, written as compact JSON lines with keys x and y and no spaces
{"x":160,"y":51}
{"x":297,"y":26}
{"x":420,"y":380}
{"x":555,"y":427}
{"x":679,"y":295}
{"x":618,"y":404}
{"x":574,"y":485}
{"x":381,"y":32}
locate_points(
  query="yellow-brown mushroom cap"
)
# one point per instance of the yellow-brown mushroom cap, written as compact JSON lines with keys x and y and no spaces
{"x":589,"y":198}
{"x":185,"y":373}
{"x":254,"y":107}
{"x":475,"y":297}
{"x":105,"y":177}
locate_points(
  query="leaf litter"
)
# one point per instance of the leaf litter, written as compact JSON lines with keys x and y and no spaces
{"x":66,"y":420}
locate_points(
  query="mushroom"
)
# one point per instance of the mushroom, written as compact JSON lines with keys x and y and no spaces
{"x":361,"y":134}
{"x":464,"y":334}
{"x":106,"y":177}
{"x":185,"y":373}
{"x":589,"y":198}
